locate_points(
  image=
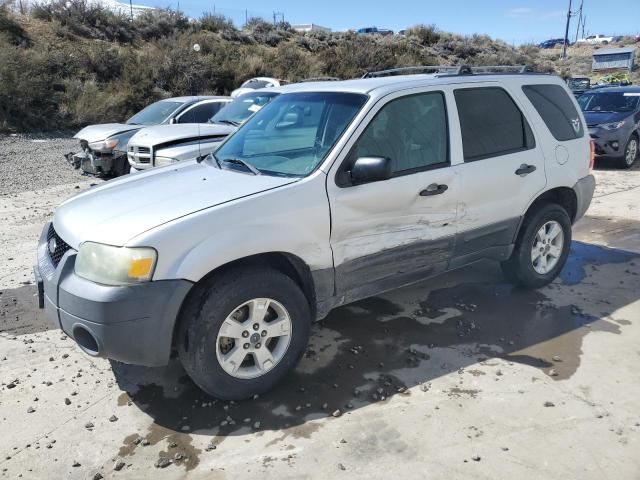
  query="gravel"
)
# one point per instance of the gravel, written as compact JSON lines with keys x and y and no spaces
{"x":24,"y":158}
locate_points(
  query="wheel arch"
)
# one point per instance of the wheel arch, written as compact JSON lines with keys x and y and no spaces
{"x":287,"y":263}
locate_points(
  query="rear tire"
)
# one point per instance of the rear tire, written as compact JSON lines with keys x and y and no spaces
{"x":541,"y":249}
{"x":630,"y":152}
{"x":215,"y":338}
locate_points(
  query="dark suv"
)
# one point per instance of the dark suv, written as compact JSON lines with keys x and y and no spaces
{"x":613,"y":118}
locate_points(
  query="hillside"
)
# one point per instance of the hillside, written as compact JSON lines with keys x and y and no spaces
{"x":70,"y":64}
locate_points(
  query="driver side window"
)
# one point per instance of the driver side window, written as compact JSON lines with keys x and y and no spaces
{"x":411,"y":131}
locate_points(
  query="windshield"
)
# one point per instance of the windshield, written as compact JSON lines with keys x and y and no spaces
{"x":154,"y":114}
{"x":243,"y":107}
{"x":578,"y":83}
{"x":256,"y":84}
{"x":609,"y":101}
{"x":293,"y":134}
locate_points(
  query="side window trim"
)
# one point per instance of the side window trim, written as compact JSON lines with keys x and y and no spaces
{"x":528,"y":133}
{"x":382,"y":104}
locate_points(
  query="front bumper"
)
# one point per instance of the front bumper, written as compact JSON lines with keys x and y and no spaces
{"x":609,"y":143}
{"x":95,"y":163}
{"x":584,"y":189}
{"x":132,"y":324}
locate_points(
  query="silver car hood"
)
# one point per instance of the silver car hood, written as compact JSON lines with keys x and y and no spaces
{"x":95,"y":133}
{"x":123,"y":208}
{"x":162,"y":134}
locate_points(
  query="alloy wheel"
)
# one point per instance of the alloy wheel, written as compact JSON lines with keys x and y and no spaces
{"x":254,"y":338}
{"x":547,"y":247}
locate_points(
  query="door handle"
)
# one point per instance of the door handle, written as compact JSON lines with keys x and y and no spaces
{"x":525,"y":169}
{"x":433,"y":189}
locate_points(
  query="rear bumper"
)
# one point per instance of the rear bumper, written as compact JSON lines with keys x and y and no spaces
{"x":584,"y":189}
{"x":132,"y":324}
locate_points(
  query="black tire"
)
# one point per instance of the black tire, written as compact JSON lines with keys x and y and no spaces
{"x":208,"y":307}
{"x":623,"y":161}
{"x":519,"y":268}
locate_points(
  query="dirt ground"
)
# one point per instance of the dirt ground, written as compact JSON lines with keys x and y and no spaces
{"x":457,"y":377}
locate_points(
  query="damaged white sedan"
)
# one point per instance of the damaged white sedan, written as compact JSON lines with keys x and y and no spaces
{"x":103,"y":147}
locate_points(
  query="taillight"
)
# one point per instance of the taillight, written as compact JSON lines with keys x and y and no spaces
{"x":592,"y":154}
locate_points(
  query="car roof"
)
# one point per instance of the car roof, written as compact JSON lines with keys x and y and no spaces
{"x":383,"y":85}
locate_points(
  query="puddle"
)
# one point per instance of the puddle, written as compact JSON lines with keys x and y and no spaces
{"x":594,"y":255}
{"x":372,"y":350}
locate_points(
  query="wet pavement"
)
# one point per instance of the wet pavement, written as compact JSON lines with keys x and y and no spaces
{"x":461,"y":376}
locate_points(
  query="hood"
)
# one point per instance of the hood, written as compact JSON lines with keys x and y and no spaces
{"x":121,"y":209}
{"x":166,"y":135}
{"x":598,"y":118}
{"x":95,"y":133}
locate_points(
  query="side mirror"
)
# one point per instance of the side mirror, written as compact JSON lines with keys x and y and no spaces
{"x":371,"y":169}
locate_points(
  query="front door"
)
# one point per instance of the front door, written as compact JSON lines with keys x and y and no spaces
{"x":392,"y":232}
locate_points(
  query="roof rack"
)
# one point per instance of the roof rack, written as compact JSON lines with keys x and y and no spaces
{"x":321,"y":79}
{"x":420,"y":69}
{"x":450,"y":70}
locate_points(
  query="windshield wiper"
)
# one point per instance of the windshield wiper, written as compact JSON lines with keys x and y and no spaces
{"x":228,"y":122}
{"x":239,"y":161}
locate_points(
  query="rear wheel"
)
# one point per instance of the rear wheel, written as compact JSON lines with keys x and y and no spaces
{"x":630,"y":152}
{"x":243,"y":331}
{"x":541,"y":249}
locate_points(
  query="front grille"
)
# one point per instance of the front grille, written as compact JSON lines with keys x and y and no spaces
{"x":139,"y":155}
{"x":61,"y":246}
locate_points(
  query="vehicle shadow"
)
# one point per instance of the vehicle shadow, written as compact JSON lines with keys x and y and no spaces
{"x":374,"y":349}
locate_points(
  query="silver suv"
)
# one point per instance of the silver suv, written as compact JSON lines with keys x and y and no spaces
{"x":331,"y":193}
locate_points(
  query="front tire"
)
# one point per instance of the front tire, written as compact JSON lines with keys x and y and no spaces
{"x":541,"y":249}
{"x":218,"y":342}
{"x":630,"y":152}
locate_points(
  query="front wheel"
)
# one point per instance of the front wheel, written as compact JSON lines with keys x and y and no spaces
{"x":541,"y":249}
{"x":630,"y":152}
{"x":243,"y":331}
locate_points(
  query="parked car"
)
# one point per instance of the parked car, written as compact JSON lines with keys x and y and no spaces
{"x":103,"y":147}
{"x":551,"y":43}
{"x":579,"y":85}
{"x":375,"y":31}
{"x":256,"y":84}
{"x":332,"y":192}
{"x":613,"y":118}
{"x":166,"y":144}
{"x":598,"y":39}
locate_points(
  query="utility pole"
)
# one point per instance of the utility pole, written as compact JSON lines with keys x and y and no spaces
{"x":579,"y":19}
{"x":131,"y":9}
{"x":566,"y":33}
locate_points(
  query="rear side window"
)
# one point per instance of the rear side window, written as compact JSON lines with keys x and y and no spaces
{"x":491,"y":123}
{"x":556,"y":109}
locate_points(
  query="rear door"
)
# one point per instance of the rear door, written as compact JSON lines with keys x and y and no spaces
{"x":388,"y":233}
{"x":501,"y":169}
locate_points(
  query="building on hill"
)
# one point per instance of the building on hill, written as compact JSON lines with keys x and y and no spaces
{"x":607,"y":60}
{"x":310,"y":27}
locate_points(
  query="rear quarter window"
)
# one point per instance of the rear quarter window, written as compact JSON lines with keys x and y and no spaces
{"x":557,"y":110}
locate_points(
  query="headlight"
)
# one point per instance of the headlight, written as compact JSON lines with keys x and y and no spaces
{"x":104,"y":145}
{"x":115,"y":265}
{"x":161,"y":161}
{"x":613,"y":126}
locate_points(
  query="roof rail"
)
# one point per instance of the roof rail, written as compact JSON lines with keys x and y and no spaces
{"x":321,"y":79}
{"x":449,"y":70}
{"x":503,"y":69}
{"x":420,"y":69}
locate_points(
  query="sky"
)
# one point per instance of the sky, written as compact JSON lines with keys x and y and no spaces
{"x":514,"y":21}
